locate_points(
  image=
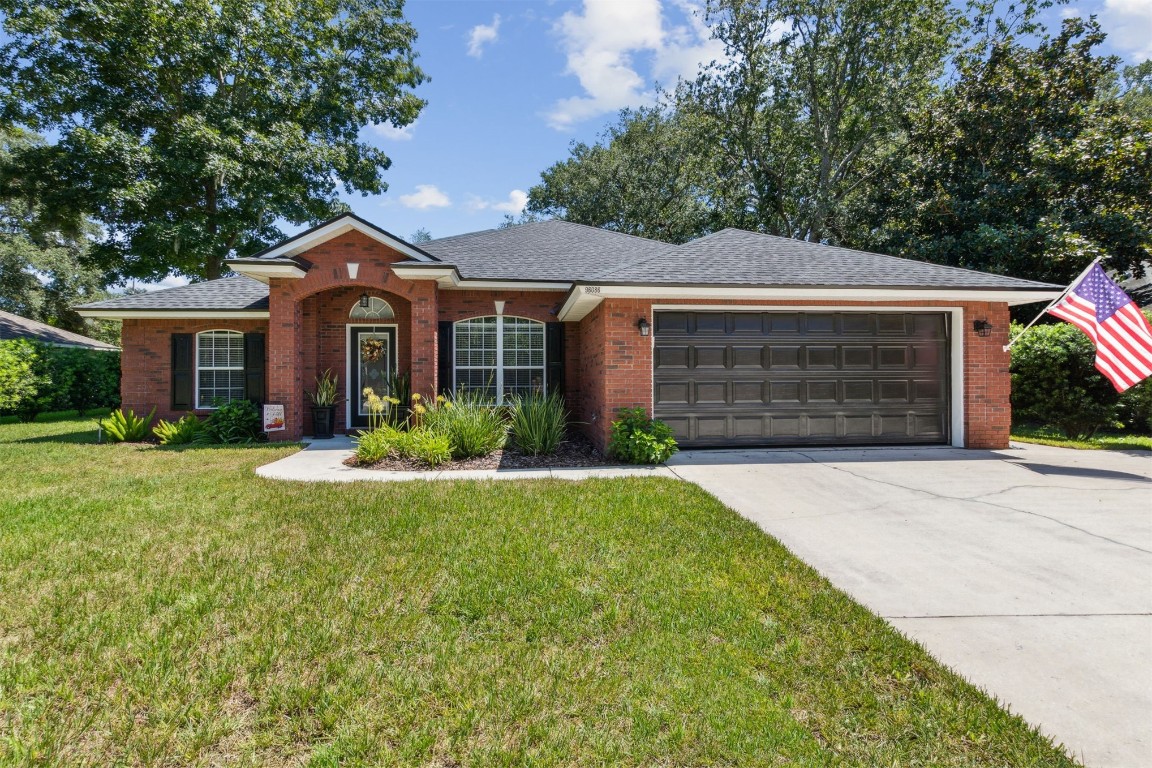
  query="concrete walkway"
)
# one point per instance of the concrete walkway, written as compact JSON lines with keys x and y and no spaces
{"x":323,"y":461}
{"x":1029,"y":571}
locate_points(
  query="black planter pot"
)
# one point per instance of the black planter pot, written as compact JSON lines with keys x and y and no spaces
{"x":323,"y":421}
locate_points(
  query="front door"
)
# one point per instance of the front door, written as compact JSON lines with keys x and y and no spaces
{"x":372,"y":352}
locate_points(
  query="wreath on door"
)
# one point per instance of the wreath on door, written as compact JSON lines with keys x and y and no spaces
{"x":371,"y":350}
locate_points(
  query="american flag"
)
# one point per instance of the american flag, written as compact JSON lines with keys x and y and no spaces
{"x":1121,"y":333}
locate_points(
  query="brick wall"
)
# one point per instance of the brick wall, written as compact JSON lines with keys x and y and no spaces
{"x":617,"y":365}
{"x":146,"y":360}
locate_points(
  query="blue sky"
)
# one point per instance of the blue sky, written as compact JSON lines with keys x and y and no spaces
{"x":514,"y":82}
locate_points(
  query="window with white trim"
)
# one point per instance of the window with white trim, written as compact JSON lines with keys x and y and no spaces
{"x":219,"y":368}
{"x":377,"y":309}
{"x":501,"y":356}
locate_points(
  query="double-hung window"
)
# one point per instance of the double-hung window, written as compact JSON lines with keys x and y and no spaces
{"x":500,"y":356}
{"x":219,"y":368}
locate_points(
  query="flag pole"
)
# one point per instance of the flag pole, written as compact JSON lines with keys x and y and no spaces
{"x":1054,"y":301}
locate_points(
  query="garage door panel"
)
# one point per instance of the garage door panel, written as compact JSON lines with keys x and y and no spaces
{"x":794,"y":378}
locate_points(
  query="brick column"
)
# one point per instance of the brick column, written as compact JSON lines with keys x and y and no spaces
{"x":423,"y":333}
{"x":285,"y":357}
{"x":987,"y":382}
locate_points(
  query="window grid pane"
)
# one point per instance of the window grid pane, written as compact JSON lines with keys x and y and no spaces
{"x":220,"y":367}
{"x":518,"y":344}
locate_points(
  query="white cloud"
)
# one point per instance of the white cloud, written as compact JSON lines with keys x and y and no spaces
{"x":426,"y":196}
{"x":481,"y":35}
{"x":1129,"y":26}
{"x":391,"y":132}
{"x":515,"y":204}
{"x":604,"y":41}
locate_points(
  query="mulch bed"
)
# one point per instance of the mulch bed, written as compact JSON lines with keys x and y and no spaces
{"x":576,"y":451}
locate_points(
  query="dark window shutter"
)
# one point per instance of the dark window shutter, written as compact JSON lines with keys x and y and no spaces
{"x":554,"y":356}
{"x":183,"y":351}
{"x":254,"y":367}
{"x":444,"y":358}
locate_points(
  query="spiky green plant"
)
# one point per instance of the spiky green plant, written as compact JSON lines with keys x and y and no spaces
{"x":121,"y":427}
{"x":179,"y":432}
{"x":538,"y":423}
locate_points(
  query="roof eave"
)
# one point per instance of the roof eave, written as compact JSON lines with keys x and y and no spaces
{"x":584,"y":297}
{"x":113,"y":313}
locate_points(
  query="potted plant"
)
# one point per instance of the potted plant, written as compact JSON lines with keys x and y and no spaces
{"x":324,"y":400}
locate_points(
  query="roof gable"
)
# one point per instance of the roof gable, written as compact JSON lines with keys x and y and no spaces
{"x":324,"y":232}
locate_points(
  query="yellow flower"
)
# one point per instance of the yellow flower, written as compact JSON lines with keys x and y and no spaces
{"x":447,"y":403}
{"x":440,"y":398}
{"x":416,"y":397}
{"x":368,"y":392}
{"x":419,"y":409}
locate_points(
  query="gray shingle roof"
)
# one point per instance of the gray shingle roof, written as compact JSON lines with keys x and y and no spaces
{"x":560,"y":251}
{"x":551,"y":250}
{"x":16,"y":327}
{"x":739,"y":257}
{"x":235,"y":293}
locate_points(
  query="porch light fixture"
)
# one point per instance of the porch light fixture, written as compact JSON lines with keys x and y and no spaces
{"x":365,"y":302}
{"x":982,"y":327}
{"x":644,"y":327}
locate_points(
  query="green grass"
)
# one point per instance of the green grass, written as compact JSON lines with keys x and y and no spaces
{"x":1108,"y":442}
{"x":168,"y":607}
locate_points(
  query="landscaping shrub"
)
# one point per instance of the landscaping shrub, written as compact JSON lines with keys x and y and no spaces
{"x":538,"y":423}
{"x":637,"y":439}
{"x":120,"y":427}
{"x":35,"y":378}
{"x":1055,"y":382}
{"x":22,"y":374}
{"x":472,"y":423}
{"x":180,"y":432}
{"x":1135,"y":408}
{"x":231,"y":423}
{"x":389,"y":442}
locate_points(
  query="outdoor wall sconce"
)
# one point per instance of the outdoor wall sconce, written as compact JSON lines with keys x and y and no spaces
{"x":364,"y":300}
{"x":642,"y":324}
{"x":982,"y":327}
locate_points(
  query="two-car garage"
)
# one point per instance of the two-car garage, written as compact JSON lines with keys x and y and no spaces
{"x":783,"y":378}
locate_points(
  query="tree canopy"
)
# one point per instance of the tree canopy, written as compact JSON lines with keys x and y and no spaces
{"x":976,"y":139}
{"x":188,"y":130}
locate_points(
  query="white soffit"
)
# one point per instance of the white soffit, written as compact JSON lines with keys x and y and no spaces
{"x":584,"y":298}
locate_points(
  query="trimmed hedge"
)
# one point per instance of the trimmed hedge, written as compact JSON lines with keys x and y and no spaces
{"x":35,"y":378}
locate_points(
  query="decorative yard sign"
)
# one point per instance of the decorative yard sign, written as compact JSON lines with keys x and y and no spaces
{"x":273,"y":418}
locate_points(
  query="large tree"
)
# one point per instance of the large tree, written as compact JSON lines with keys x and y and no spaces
{"x":42,"y":269}
{"x":1027,"y":165}
{"x":188,"y":130}
{"x":643,"y":178}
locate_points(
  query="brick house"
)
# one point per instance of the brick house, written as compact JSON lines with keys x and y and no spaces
{"x":736,"y":338}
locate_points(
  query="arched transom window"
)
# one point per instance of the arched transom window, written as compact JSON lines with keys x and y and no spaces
{"x":377,"y":309}
{"x":501,"y":356}
{"x":219,"y":368}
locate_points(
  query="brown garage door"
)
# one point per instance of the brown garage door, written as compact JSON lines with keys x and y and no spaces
{"x":802,"y":378}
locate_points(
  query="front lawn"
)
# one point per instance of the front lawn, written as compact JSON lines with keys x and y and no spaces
{"x":1109,"y":442}
{"x":169,"y":607}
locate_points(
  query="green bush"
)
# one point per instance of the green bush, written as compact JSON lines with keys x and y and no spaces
{"x":1135,"y":408}
{"x":637,"y":439}
{"x":35,"y":378}
{"x":471,"y":422}
{"x":22,"y":375}
{"x":1055,"y":382}
{"x":538,"y":423}
{"x":120,"y":427}
{"x":390,"y":442}
{"x":180,"y":432}
{"x":237,"y":422}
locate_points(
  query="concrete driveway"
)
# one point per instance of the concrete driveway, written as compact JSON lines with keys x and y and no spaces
{"x":1029,"y":570}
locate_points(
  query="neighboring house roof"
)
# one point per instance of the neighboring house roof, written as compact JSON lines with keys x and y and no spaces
{"x":234,"y":294}
{"x":16,"y":327}
{"x":562,"y":253}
